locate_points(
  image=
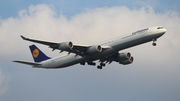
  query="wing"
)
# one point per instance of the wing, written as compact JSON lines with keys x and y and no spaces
{"x":41,"y":42}
{"x":29,"y":63}
{"x":69,"y":47}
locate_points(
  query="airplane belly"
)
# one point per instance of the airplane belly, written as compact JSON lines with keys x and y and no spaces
{"x":63,"y":62}
{"x":132,"y":41}
{"x":69,"y":60}
{"x":103,"y":54}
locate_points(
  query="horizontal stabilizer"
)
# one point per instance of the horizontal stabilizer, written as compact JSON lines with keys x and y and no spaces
{"x":29,"y":63}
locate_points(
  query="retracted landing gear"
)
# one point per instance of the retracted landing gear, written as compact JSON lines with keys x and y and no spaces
{"x":154,"y":44}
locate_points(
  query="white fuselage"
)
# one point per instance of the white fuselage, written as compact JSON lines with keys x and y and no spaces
{"x":117,"y":44}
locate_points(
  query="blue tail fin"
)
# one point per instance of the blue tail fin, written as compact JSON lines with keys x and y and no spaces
{"x":37,"y":54}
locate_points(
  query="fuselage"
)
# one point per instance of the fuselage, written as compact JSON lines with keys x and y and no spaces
{"x":116,"y":44}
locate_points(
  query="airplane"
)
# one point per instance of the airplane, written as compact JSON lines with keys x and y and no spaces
{"x":106,"y":52}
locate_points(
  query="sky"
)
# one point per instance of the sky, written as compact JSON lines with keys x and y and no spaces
{"x":153,"y":76}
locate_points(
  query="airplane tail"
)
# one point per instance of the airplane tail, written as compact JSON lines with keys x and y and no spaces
{"x":37,"y":54}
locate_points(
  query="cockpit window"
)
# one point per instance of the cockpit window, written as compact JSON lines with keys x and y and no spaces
{"x":160,"y":28}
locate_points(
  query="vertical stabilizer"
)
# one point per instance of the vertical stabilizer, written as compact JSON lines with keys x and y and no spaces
{"x":37,"y":54}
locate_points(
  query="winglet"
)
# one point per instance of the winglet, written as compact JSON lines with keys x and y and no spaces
{"x":24,"y":38}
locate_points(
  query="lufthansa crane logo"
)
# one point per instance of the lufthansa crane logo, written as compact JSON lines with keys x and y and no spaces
{"x":35,"y":53}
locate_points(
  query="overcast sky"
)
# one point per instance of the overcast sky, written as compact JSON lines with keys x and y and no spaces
{"x":153,"y":76}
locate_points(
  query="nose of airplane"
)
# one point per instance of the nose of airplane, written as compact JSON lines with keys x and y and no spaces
{"x":162,"y":32}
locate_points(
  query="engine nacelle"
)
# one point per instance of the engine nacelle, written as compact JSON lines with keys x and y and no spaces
{"x":128,"y":61}
{"x":125,"y":58}
{"x":94,"y":49}
{"x":66,"y":46}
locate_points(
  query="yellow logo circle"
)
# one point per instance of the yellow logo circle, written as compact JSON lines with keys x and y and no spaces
{"x":35,"y":53}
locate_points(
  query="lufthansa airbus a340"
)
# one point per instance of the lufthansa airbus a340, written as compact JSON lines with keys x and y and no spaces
{"x":106,"y":52}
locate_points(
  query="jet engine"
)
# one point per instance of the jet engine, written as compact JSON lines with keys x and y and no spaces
{"x":94,"y":49}
{"x":65,"y":46}
{"x":125,"y":58}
